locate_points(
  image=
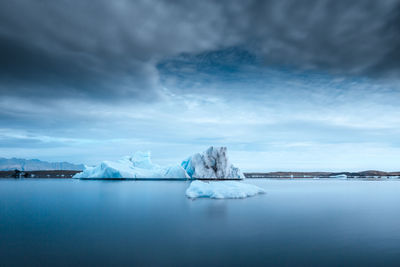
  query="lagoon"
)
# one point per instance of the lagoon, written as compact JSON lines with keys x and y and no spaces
{"x":302,"y":222}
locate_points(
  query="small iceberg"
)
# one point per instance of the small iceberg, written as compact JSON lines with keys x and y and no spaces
{"x":222,"y":189}
{"x":339,"y":176}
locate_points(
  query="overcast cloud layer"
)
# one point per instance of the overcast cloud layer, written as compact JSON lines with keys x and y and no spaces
{"x":300,"y":85}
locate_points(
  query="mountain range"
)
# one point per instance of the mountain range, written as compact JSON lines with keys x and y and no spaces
{"x":35,"y":165}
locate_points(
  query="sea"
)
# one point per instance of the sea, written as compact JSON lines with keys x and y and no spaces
{"x":298,"y":222}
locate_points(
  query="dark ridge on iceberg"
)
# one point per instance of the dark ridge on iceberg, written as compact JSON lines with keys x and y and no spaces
{"x":211,"y":164}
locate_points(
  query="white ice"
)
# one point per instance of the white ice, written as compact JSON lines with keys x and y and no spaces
{"x":339,"y":176}
{"x":211,"y":164}
{"x":222,"y":189}
{"x":139,"y":165}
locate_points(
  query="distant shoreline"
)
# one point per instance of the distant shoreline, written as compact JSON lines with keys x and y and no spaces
{"x":362,"y":174}
{"x":277,"y":175}
{"x":39,"y":174}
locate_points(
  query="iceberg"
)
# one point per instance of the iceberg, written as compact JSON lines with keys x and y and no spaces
{"x":222,"y":189}
{"x":211,"y":164}
{"x":138,"y":165}
{"x":339,"y":176}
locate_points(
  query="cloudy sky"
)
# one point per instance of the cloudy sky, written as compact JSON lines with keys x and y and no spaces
{"x":285,"y":85}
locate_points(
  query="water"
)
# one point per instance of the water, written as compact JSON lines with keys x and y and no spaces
{"x":298,"y":222}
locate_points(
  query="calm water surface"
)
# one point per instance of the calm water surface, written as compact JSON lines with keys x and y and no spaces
{"x":151,"y":223}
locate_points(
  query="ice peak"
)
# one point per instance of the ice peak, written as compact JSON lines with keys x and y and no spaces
{"x":141,"y":159}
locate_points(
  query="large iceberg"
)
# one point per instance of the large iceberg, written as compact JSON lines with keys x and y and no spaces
{"x":222,"y":189}
{"x":211,"y":164}
{"x":137,"y":166}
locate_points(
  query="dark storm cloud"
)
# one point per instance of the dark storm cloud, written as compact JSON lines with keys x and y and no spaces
{"x":109,"y":49}
{"x":346,"y":37}
{"x":97,"y":49}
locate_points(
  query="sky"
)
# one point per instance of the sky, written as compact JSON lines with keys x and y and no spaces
{"x":286,"y":85}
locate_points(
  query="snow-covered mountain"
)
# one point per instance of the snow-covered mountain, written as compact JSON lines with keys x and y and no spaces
{"x":36,"y":165}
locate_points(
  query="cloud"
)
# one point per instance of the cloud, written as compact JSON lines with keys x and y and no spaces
{"x":102,"y":50}
{"x":358,"y":37}
{"x":88,"y":80}
{"x":109,"y":49}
